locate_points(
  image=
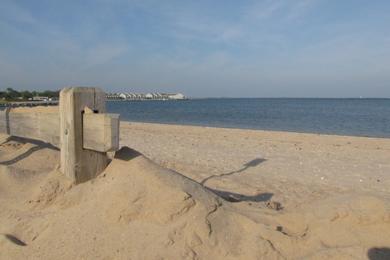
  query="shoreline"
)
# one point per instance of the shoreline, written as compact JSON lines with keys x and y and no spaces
{"x":260,"y":130}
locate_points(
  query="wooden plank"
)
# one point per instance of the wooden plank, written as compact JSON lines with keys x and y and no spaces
{"x":44,"y":124}
{"x":34,"y":123}
{"x":102,"y":132}
{"x":79,"y":164}
{"x":64,"y":127}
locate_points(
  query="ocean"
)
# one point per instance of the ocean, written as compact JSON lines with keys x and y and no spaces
{"x":357,"y":117}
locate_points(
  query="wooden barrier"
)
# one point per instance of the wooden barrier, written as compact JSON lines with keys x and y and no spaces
{"x":79,"y":127}
{"x":35,"y":123}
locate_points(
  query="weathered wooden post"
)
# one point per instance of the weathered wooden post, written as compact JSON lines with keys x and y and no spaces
{"x":85,"y":137}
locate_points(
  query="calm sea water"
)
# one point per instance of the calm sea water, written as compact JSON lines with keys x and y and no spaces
{"x":360,"y":117}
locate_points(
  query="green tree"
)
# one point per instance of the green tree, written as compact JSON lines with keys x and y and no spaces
{"x":26,"y":94}
{"x":11,"y":94}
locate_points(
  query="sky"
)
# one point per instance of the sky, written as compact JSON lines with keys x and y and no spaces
{"x":213,"y":48}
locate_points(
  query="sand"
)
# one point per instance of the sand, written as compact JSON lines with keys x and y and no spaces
{"x":184,"y":192}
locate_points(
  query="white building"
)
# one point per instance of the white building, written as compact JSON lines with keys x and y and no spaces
{"x":150,"y":96}
{"x":176,"y":96}
{"x":39,"y":98}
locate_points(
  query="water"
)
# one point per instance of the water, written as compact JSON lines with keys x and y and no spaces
{"x":359,"y":117}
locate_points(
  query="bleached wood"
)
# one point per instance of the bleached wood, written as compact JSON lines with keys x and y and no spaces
{"x":31,"y":123}
{"x":102,"y":131}
{"x":77,"y":163}
{"x":84,"y":138}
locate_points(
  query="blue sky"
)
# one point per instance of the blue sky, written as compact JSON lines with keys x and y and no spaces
{"x":229,"y":48}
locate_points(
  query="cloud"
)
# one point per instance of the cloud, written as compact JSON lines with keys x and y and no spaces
{"x":103,"y":53}
{"x":263,"y":10}
{"x":300,"y":9}
{"x":198,"y":47}
{"x":254,"y":25}
{"x":11,"y":12}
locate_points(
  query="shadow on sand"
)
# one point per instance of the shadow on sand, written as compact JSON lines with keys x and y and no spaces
{"x":237,"y":197}
{"x":247,"y":165}
{"x":126,"y":154}
{"x":379,"y":253}
{"x":39,"y":145}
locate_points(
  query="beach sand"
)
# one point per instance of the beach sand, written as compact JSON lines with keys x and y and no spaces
{"x":184,"y":192}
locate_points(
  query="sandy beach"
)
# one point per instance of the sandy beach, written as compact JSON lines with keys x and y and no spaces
{"x":195,"y":130}
{"x":184,"y":192}
{"x":294,"y":167}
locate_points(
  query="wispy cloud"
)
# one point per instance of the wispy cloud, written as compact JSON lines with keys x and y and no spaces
{"x":300,"y":9}
{"x":103,"y":53}
{"x":202,"y":46}
{"x":11,"y":12}
{"x":256,"y":23}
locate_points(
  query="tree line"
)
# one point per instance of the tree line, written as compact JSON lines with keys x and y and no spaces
{"x":11,"y":94}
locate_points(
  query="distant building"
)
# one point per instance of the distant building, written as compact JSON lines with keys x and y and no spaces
{"x":148,"y":96}
{"x":39,"y":98}
{"x":177,"y":96}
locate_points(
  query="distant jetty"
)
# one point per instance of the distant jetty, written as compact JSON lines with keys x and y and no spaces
{"x":30,"y":103}
{"x":148,"y":96}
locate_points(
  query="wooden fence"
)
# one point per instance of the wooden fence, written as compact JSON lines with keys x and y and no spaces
{"x":79,"y":127}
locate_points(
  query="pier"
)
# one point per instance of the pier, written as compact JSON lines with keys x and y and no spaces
{"x":30,"y":103}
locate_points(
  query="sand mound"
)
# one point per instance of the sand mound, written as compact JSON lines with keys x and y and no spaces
{"x":138,"y":210}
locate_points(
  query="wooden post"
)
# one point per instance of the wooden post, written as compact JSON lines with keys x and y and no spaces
{"x":79,"y":164}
